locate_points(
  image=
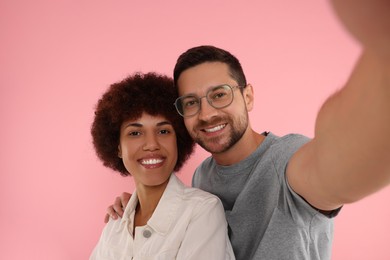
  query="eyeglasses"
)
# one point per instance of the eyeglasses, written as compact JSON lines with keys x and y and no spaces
{"x":218,"y":97}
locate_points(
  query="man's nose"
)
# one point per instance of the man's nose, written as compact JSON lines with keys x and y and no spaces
{"x":206,"y":111}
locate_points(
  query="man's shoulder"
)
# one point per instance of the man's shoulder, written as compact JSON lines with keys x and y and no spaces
{"x":278,"y":150}
{"x":288,"y":143}
{"x":207,"y":163}
{"x":288,"y":138}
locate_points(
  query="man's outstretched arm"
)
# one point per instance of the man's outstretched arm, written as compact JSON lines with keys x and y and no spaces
{"x":349,"y":157}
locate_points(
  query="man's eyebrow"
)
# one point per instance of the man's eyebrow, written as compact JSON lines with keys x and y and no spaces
{"x":208,"y":89}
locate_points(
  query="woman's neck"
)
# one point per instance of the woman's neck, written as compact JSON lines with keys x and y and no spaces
{"x":148,"y":199}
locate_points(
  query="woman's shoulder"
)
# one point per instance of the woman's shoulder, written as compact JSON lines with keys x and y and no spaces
{"x":194,"y":195}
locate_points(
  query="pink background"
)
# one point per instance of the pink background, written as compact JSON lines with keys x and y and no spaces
{"x":57,"y":58}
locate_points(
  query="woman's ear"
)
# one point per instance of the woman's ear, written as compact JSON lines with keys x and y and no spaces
{"x":119,"y":151}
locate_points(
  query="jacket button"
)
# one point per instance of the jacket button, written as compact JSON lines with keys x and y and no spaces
{"x":147,"y":233}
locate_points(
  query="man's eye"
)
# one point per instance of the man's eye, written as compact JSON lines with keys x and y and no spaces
{"x":190,"y":103}
{"x":219,"y":95}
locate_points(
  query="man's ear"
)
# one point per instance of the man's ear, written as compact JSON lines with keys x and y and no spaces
{"x":248,"y":97}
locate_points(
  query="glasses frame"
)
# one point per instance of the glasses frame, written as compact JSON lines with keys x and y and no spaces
{"x":208,"y":101}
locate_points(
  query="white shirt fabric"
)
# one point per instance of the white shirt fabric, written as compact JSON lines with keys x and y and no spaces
{"x":187,"y":223}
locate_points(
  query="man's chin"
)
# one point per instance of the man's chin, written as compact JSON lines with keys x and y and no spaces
{"x":214,"y":148}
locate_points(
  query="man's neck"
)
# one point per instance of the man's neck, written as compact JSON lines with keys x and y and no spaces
{"x":241,"y":150}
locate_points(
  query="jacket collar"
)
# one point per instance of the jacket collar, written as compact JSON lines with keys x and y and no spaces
{"x":164,"y":215}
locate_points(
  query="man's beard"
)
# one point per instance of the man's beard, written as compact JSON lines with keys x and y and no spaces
{"x":213,"y":144}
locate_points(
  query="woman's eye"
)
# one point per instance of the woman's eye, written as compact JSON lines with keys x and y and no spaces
{"x":165,"y":131}
{"x":134,"y":133}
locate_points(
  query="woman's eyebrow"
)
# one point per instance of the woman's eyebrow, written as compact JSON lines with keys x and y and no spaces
{"x":134,"y":124}
{"x":164,"y":123}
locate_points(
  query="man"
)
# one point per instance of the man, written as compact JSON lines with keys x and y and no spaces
{"x":280,"y":193}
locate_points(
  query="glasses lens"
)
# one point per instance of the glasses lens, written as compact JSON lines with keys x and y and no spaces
{"x":220,"y":96}
{"x":187,"y":105}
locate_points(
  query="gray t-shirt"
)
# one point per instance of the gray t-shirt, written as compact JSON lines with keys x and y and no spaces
{"x":267,"y":219}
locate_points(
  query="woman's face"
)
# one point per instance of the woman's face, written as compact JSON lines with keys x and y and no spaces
{"x":148,"y":149}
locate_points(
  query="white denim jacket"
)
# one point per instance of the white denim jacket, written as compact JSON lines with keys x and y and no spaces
{"x":188,"y":223}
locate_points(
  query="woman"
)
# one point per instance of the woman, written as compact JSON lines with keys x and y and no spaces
{"x":137,"y":132}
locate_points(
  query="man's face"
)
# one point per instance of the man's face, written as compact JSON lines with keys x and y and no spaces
{"x":216,"y":130}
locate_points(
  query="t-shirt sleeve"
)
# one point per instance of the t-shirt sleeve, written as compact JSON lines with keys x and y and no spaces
{"x":283,"y":150}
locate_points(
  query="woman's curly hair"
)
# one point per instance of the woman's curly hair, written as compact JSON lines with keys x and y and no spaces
{"x":127,"y":100}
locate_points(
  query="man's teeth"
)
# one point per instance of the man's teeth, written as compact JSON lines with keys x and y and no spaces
{"x":152,"y":161}
{"x":214,"y":129}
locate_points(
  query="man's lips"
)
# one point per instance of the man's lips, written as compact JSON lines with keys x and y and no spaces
{"x":214,"y":129}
